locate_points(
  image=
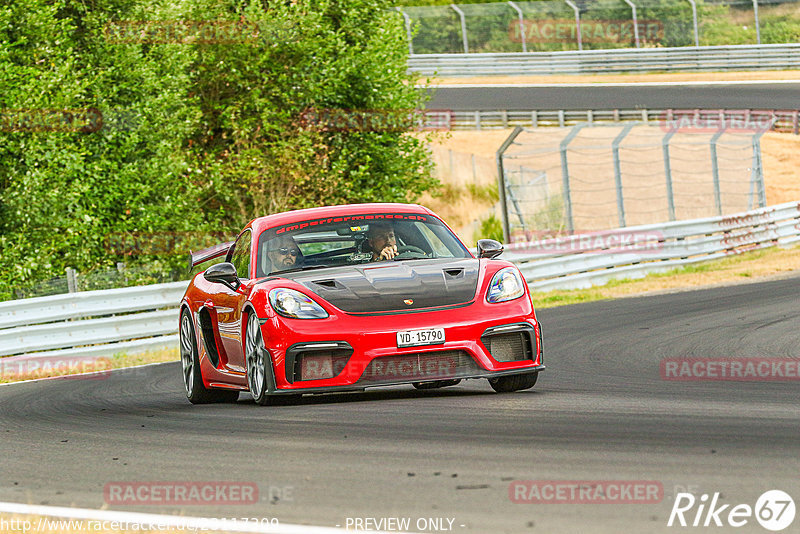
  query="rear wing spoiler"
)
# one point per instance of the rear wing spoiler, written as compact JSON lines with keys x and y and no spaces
{"x":196,"y":258}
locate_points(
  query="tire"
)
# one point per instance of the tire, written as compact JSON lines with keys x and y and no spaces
{"x":258,"y":372}
{"x":196,"y":391}
{"x":507,"y":384}
{"x":436,"y":384}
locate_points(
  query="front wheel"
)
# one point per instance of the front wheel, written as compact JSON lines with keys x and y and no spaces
{"x":196,"y":391}
{"x":257,"y":359}
{"x":507,"y":384}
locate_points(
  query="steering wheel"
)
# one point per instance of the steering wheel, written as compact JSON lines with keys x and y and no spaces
{"x":406,"y":252}
{"x":410,"y":248}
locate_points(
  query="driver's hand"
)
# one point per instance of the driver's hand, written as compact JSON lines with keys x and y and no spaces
{"x":388,"y":252}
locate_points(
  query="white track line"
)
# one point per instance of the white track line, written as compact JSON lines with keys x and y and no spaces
{"x":160,"y":521}
{"x":611,"y":84}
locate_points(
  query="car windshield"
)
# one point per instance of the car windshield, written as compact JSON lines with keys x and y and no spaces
{"x":355,"y":239}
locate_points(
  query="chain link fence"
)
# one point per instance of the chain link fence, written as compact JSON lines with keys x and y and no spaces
{"x":589,"y":178}
{"x":557,"y":25}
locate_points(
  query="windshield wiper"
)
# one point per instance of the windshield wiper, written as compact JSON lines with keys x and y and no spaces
{"x":302,"y":268}
{"x":396,"y":258}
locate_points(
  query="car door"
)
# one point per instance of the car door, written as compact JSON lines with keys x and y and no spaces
{"x":229,"y":303}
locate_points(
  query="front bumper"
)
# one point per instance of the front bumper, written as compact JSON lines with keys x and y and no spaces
{"x":362,"y":351}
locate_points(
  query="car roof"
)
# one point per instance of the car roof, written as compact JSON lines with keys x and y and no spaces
{"x":288,"y":217}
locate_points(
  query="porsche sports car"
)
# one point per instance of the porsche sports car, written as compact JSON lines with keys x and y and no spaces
{"x":348,"y":297}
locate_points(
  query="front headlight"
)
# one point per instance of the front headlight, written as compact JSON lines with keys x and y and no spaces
{"x":295,"y":305}
{"x":507,"y":284}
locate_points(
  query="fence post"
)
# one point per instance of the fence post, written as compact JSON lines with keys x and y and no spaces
{"x":408,"y":31}
{"x":515,"y":202}
{"x":694,"y":19}
{"x":463,"y":27}
{"x":72,"y":280}
{"x":501,"y":181}
{"x":715,"y":170}
{"x":521,"y":25}
{"x":565,"y":176}
{"x":618,"y":173}
{"x":758,"y":28}
{"x":668,"y":174}
{"x":757,"y":173}
{"x":577,"y":22}
{"x":635,"y":22}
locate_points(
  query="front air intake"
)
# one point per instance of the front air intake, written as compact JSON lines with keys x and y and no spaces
{"x":316,"y":361}
{"x":419,"y":367}
{"x":511,"y":343}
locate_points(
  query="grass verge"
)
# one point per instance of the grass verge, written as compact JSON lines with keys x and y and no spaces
{"x":753,"y":266}
{"x":33,"y":368}
{"x":620,"y":78}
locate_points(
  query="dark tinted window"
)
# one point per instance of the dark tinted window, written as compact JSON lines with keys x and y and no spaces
{"x":347,"y":241}
{"x":240,"y":257}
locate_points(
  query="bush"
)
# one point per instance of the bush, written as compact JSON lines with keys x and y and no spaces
{"x":197,"y":137}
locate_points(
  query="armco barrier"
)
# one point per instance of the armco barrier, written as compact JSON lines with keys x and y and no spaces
{"x":777,"y":120}
{"x":97,"y":323}
{"x":584,"y":260}
{"x":703,"y":58}
{"x":135,"y":319}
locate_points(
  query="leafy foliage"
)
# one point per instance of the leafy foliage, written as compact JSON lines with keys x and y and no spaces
{"x":196,"y":136}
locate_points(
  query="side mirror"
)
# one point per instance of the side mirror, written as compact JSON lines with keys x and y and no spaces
{"x":489,"y":248}
{"x":223,"y":273}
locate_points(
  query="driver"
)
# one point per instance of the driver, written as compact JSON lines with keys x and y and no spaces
{"x":283,"y":253}
{"x":381,"y":240}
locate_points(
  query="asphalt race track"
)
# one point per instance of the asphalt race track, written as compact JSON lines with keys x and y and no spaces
{"x":766,"y":95}
{"x":601,"y":411}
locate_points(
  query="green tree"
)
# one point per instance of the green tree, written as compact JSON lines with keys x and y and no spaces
{"x":345,"y":56}
{"x":197,"y":135}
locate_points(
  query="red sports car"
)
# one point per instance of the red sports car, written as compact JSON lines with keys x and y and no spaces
{"x":348,"y":297}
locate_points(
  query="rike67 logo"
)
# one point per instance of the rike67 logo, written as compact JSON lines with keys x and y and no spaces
{"x":774,"y":510}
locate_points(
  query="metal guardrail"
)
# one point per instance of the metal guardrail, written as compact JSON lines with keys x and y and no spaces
{"x":703,"y":58}
{"x":583,"y":260}
{"x":96,"y":323}
{"x":781,"y":120}
{"x":144,"y":318}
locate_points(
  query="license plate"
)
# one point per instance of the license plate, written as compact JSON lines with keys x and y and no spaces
{"x":415,"y":338}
